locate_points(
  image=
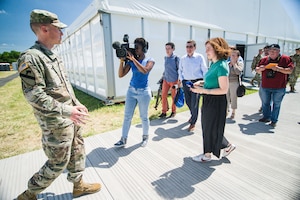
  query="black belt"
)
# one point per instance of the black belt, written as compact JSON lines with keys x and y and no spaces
{"x":193,"y":81}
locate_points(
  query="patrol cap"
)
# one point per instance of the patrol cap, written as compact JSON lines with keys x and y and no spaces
{"x":274,"y":46}
{"x":45,"y":17}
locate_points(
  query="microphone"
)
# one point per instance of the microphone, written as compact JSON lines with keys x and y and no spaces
{"x":116,"y":45}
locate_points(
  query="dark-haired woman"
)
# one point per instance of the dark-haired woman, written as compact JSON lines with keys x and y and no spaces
{"x":138,"y":93}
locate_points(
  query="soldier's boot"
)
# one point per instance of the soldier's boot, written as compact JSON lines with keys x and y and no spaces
{"x":27,"y":195}
{"x":81,"y":188}
{"x":292,"y":89}
{"x":252,"y":82}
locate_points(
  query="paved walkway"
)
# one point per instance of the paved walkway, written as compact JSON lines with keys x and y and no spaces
{"x":5,"y":80}
{"x":265,"y":165}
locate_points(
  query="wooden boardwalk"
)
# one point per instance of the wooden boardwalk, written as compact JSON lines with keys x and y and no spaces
{"x":264,"y":166}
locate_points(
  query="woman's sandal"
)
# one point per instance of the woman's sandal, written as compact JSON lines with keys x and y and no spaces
{"x":232,"y":115}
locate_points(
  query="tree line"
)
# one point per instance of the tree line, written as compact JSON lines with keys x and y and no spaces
{"x":9,"y":57}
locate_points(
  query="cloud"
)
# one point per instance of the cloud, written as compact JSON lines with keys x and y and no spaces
{"x":3,"y":12}
{"x":7,"y":45}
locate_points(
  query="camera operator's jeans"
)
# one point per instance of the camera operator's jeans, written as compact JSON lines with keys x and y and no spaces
{"x":271,"y":102}
{"x":142,"y":97}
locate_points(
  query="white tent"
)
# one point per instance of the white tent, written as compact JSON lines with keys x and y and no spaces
{"x":91,"y":61}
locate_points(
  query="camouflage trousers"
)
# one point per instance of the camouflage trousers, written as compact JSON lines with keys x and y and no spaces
{"x":293,"y":77}
{"x":65,"y":150}
{"x":257,"y":78}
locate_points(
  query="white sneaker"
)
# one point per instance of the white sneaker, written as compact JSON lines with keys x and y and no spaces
{"x":201,"y":158}
{"x":228,"y":150}
{"x":144,"y":141}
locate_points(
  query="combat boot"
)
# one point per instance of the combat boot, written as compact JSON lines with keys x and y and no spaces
{"x":27,"y":195}
{"x":292,"y":89}
{"x":81,"y":188}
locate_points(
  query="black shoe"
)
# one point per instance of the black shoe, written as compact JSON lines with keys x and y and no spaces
{"x":273,"y":124}
{"x":162,"y":115}
{"x":264,"y":120}
{"x":292,"y":89}
{"x":172,"y":115}
{"x":121,"y":143}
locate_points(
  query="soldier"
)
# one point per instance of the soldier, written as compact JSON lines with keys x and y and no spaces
{"x":56,"y":108}
{"x":295,"y":74}
{"x":255,"y":62}
{"x":266,"y":53}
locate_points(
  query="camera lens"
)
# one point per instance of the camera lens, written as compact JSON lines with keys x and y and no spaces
{"x":121,"y":53}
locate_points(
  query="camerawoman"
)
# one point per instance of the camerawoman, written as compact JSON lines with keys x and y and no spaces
{"x":138,"y":93}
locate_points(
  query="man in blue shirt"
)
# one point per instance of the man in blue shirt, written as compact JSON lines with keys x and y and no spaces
{"x":192,"y":67}
{"x":170,"y":79}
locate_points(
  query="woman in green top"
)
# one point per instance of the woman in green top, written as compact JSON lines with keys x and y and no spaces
{"x":214,"y":106}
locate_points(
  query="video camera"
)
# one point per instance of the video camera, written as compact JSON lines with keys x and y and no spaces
{"x":122,"y":49}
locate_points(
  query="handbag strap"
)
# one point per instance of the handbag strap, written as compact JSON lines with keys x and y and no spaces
{"x":240,"y":80}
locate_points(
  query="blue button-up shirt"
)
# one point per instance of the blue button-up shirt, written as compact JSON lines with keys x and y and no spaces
{"x":192,"y":67}
{"x":171,"y":68}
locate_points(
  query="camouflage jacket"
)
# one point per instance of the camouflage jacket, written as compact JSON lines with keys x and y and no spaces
{"x":46,"y":87}
{"x":296,"y":60}
{"x":255,"y":61}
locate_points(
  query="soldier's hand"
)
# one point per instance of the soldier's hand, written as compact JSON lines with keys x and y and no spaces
{"x":84,"y":109}
{"x":79,"y":115}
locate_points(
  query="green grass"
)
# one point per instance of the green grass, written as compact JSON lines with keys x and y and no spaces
{"x":250,"y":91}
{"x":20,"y":133}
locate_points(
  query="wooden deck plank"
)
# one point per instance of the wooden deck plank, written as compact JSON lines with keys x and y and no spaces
{"x":265,"y":165}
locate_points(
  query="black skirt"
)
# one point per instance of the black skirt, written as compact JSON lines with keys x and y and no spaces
{"x":213,"y":119}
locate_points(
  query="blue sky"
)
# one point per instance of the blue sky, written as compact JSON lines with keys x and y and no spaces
{"x":15,"y":32}
{"x":293,"y":9}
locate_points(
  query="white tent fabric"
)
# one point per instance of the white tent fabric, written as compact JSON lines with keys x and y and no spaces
{"x":91,"y":62}
{"x":270,"y":18}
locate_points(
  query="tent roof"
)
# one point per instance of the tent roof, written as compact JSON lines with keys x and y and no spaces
{"x":248,"y":16}
{"x":134,"y":8}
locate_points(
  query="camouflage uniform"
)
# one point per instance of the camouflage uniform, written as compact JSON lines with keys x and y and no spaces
{"x":254,"y":64}
{"x":51,"y":95}
{"x":52,"y":98}
{"x":296,"y":72}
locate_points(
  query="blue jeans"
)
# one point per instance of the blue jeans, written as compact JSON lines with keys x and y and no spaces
{"x":271,"y":102}
{"x":142,"y":97}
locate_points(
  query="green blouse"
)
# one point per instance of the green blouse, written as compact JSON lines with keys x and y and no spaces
{"x":217,"y":69}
